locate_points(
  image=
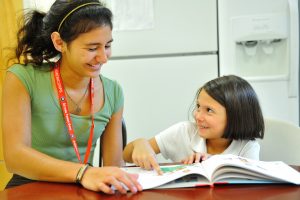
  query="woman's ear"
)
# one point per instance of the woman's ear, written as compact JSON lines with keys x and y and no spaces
{"x":57,"y":41}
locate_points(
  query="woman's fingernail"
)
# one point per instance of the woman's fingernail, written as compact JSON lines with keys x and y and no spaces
{"x":134,"y":189}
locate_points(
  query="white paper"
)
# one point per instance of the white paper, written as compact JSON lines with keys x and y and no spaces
{"x":132,"y":14}
{"x":37,"y":4}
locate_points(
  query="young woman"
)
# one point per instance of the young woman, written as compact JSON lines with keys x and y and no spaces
{"x":228,"y":118}
{"x":56,"y":105}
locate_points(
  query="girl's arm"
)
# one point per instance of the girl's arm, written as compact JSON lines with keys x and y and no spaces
{"x":21,"y":159}
{"x":142,"y":153}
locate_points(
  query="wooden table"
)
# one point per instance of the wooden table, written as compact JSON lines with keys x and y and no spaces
{"x":57,"y":191}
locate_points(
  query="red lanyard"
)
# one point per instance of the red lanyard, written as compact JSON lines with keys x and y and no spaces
{"x":65,"y":110}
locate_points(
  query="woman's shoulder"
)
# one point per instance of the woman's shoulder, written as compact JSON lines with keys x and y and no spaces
{"x":106,"y":79}
{"x":31,"y":77}
{"x":28,"y":68}
{"x":20,"y":67}
{"x":109,"y":82}
{"x":111,"y":87}
{"x":113,"y":93}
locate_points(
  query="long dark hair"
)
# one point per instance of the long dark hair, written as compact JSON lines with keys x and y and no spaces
{"x":34,"y":37}
{"x":244,"y":116}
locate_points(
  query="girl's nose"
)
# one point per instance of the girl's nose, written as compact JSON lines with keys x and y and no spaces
{"x":199,"y":116}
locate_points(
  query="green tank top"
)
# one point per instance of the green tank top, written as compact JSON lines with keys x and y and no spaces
{"x":49,"y":132}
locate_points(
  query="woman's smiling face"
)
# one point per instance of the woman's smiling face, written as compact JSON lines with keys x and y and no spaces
{"x":89,"y":51}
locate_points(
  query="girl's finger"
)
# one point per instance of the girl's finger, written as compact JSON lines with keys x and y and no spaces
{"x":191,"y":159}
{"x":198,"y":157}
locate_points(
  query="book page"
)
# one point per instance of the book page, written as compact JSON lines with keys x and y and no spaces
{"x":231,"y":166}
{"x":150,"y":179}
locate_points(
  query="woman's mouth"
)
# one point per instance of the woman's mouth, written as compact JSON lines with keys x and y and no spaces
{"x":94,"y":67}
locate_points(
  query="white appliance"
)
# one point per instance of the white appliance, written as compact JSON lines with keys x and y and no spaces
{"x":161,"y":68}
{"x":259,"y":40}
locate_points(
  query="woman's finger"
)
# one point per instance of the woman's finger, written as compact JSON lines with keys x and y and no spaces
{"x":134,"y":179}
{"x":116,"y":184}
{"x":129,"y":182}
{"x":105,"y":188}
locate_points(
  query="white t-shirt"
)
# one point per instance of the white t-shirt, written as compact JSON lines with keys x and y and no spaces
{"x":182,"y":139}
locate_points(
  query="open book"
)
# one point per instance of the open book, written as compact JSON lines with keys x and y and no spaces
{"x":218,"y":169}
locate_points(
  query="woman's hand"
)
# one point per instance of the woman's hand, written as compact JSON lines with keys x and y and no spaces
{"x":195,"y":158}
{"x":103,"y":178}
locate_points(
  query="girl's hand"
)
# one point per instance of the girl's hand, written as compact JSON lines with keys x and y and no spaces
{"x":144,"y":156}
{"x":102,"y":178}
{"x":195,"y":158}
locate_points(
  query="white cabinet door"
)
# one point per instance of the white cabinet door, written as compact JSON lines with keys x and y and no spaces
{"x":188,"y":26}
{"x":179,"y":27}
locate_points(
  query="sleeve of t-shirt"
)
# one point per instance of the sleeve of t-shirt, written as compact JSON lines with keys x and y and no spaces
{"x":119,"y":97}
{"x":114,"y":94}
{"x":174,"y":142}
{"x":251,"y":150}
{"x":25,"y":75}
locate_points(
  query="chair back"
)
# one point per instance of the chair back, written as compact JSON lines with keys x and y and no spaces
{"x":281,"y":142}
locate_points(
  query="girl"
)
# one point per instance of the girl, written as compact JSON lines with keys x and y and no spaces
{"x":228,"y":118}
{"x":53,"y":112}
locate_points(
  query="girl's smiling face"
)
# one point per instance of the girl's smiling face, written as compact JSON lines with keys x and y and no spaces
{"x":210,"y":117}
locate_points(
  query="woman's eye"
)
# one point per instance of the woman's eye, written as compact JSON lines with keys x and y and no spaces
{"x":92,"y":49}
{"x":107,"y":46}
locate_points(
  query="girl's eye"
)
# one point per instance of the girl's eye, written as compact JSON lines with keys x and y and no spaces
{"x":209,"y":110}
{"x":107,"y":46}
{"x":197,"y":105}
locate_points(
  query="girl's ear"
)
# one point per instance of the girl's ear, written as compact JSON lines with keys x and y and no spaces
{"x":57,"y":41}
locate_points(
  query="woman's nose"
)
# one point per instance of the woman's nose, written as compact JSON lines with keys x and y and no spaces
{"x":101,"y":56}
